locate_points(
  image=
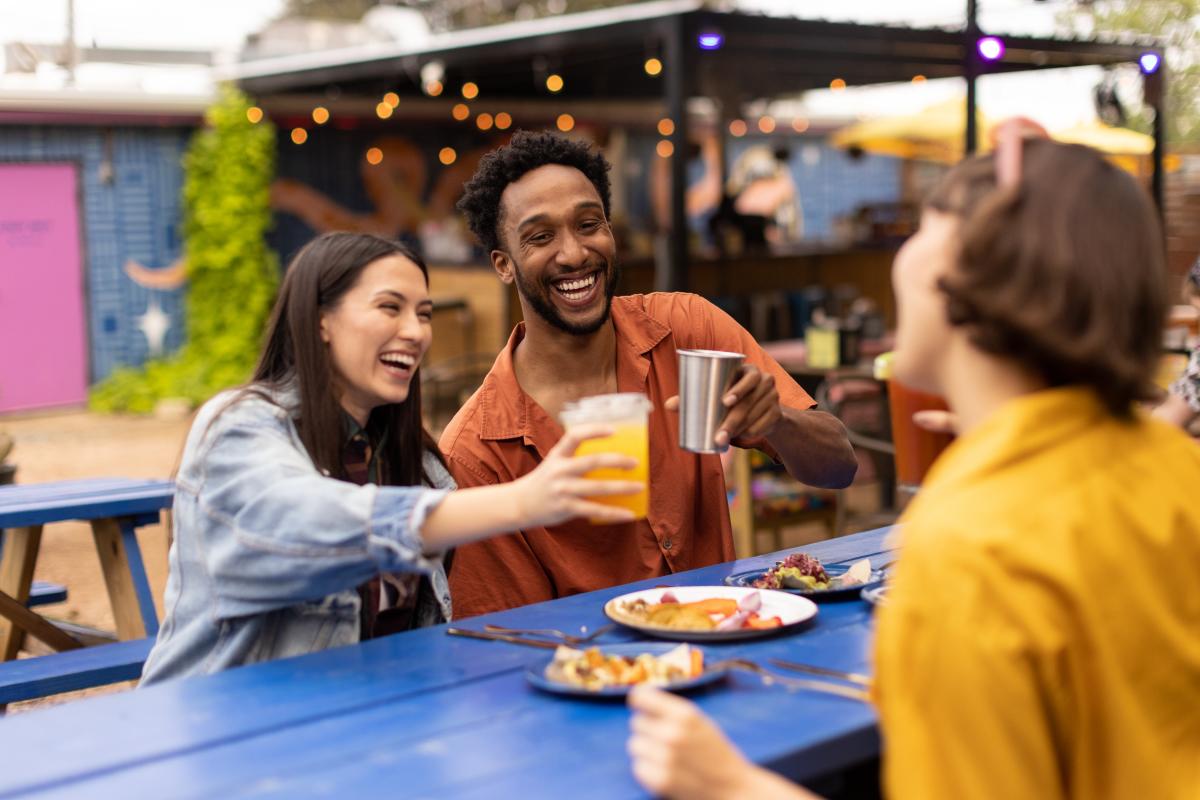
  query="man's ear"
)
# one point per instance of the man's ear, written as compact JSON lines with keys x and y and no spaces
{"x":503,"y":264}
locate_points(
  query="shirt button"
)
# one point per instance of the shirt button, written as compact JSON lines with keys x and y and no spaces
{"x":667,"y":543}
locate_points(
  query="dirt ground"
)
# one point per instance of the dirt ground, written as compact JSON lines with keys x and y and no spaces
{"x":78,"y":444}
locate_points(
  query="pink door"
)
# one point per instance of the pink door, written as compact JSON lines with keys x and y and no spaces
{"x":43,"y":344}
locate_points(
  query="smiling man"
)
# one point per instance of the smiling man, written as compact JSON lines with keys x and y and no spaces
{"x":540,"y":207}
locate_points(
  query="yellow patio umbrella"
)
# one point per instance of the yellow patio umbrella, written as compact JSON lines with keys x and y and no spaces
{"x":1127,"y":149}
{"x":935,"y":134}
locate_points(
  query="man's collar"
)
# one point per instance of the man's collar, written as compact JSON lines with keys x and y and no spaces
{"x":505,"y":408}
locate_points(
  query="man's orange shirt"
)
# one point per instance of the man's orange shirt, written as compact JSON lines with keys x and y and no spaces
{"x":501,"y":434}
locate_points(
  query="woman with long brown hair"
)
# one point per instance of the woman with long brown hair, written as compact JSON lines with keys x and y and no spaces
{"x":312,"y":509}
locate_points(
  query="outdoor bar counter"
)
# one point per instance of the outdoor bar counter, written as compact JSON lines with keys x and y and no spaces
{"x":424,"y":714}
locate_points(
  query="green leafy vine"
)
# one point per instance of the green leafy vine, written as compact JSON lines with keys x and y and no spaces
{"x":232,"y":274}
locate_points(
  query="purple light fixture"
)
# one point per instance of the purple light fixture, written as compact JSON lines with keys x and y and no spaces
{"x":1149,"y":63}
{"x":990,"y":48}
{"x":710,"y":40}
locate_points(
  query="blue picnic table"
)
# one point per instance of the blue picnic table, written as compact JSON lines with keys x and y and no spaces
{"x":424,"y":714}
{"x":114,"y":508}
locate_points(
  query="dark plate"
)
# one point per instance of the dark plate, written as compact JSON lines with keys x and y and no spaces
{"x":876,"y":595}
{"x":748,"y":578}
{"x":536,"y":673}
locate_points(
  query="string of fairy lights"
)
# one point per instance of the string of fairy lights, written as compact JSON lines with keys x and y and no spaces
{"x":461,"y":111}
{"x":989,"y":48}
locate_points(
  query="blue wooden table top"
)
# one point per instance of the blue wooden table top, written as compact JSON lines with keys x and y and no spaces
{"x":92,"y":498}
{"x":423,"y":714}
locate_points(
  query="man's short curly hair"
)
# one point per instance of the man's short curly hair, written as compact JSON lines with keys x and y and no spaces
{"x":526,"y":151}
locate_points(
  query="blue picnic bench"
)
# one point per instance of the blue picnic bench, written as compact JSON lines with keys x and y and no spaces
{"x":114,"y":508}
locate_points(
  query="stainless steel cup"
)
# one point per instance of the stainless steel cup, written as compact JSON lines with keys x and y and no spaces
{"x":704,"y":377}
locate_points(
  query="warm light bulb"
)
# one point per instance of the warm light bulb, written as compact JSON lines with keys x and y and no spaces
{"x":434,"y":88}
{"x":460,"y":111}
{"x":392,"y":99}
{"x":554,"y":83}
{"x":470,"y":90}
{"x":254,"y":114}
{"x":299,"y":135}
{"x":565,"y":122}
{"x":737,"y":127}
{"x":918,"y":79}
{"x":766,"y":124}
{"x":503,"y":120}
{"x":664,"y":149}
{"x":374,"y":155}
{"x":837,"y":84}
{"x":799,"y":124}
{"x":383,"y":110}
{"x":652,"y":66}
{"x":484,"y":122}
{"x":666,"y":127}
{"x":447,"y":155}
{"x":320,"y":115}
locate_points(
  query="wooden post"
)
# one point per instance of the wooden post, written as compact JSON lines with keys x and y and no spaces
{"x":122,"y":594}
{"x":16,"y":576}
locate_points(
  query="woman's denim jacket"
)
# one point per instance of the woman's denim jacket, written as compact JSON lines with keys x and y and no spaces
{"x":268,"y":552}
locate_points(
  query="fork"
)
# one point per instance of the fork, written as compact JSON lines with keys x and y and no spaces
{"x":770,"y":678}
{"x":567,"y":638}
{"x":852,"y":677}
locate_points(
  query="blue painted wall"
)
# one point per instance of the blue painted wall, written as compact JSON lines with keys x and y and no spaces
{"x":134,"y":215}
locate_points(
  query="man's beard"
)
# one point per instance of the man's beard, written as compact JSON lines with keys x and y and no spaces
{"x":537,"y":298}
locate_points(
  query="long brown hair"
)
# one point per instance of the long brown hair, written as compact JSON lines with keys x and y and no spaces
{"x":1063,"y":272}
{"x":294,"y":355}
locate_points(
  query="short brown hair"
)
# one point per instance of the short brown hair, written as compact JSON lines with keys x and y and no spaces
{"x":1064,"y":272}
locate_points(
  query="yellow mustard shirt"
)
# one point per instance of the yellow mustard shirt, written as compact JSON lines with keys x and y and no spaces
{"x":1042,"y":634}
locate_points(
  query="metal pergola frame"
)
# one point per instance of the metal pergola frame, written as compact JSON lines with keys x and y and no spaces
{"x":601,"y":54}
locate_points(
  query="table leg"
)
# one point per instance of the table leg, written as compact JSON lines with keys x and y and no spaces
{"x":16,"y":576}
{"x":125,"y":577}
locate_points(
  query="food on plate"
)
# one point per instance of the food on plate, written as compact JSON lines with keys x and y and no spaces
{"x":802,"y":571}
{"x":593,"y":669}
{"x":709,"y":614}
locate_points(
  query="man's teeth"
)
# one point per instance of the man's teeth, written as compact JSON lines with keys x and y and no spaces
{"x":576,"y":289}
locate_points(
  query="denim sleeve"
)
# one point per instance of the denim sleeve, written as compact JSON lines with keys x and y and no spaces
{"x":279,"y":532}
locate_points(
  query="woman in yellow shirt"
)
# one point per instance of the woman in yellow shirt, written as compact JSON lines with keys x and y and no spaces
{"x":1042,"y":635}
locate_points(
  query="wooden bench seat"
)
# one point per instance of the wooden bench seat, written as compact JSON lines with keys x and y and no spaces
{"x":27,"y":678}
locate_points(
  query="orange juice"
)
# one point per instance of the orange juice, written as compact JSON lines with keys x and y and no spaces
{"x":628,"y":439}
{"x":627,"y":415}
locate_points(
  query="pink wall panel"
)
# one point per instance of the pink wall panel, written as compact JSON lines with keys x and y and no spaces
{"x":43,"y":341}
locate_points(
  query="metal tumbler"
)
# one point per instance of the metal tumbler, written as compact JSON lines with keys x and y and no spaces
{"x":704,"y":378}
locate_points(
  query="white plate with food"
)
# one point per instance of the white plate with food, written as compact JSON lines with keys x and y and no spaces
{"x":709,"y":613}
{"x":612,"y":670}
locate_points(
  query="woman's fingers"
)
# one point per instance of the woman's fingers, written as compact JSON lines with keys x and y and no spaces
{"x":580,"y":465}
{"x":599,"y":512}
{"x":585,"y":487}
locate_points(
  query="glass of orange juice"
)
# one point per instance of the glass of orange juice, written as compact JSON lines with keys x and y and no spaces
{"x":627,"y":414}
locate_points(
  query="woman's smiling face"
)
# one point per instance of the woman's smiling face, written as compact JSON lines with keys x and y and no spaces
{"x":377,"y":334}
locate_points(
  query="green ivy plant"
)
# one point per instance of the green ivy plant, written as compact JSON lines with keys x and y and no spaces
{"x":232,"y":274}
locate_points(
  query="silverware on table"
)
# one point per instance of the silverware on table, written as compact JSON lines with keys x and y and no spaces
{"x":770,"y":678}
{"x":567,"y":638}
{"x":502,"y":637}
{"x":795,"y":666}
